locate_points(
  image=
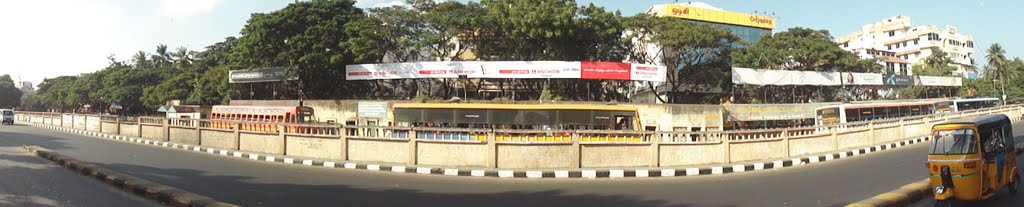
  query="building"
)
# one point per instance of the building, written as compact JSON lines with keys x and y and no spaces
{"x":26,"y":86}
{"x":896,"y":37}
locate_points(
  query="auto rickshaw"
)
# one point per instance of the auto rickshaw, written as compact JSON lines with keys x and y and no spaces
{"x":971,"y":159}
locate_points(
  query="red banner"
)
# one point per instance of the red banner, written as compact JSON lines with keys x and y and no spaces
{"x":604,"y":70}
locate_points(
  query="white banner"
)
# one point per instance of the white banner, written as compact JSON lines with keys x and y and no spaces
{"x":648,"y":72}
{"x":506,"y":69}
{"x":873,"y":79}
{"x":938,"y":81}
{"x":529,"y":69}
{"x":784,"y":77}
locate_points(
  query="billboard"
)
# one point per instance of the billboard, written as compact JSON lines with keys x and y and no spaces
{"x":411,"y":70}
{"x":528,"y":69}
{"x":258,"y":75}
{"x":873,"y":79}
{"x":647,"y":72}
{"x":898,"y":80}
{"x":717,"y":16}
{"x":605,"y":70}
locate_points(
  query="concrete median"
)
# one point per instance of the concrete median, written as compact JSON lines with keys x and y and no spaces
{"x":154,"y":191}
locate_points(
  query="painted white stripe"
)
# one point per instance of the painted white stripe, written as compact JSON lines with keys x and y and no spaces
{"x":349,"y":165}
{"x":145,"y":142}
{"x":642,"y":173}
{"x":796,"y":161}
{"x":829,"y":157}
{"x":534,"y":174}
{"x":616,"y":173}
{"x":692,"y":171}
{"x":289,"y":160}
{"x":477,"y":173}
{"x":254,"y":156}
{"x":224,"y":152}
{"x":452,"y":172}
{"x":738,"y":168}
{"x":397,"y":168}
{"x":423,"y":170}
{"x":174,"y":145}
{"x":131,"y":139}
{"x":328,"y":164}
{"x":307,"y":162}
{"x":812,"y":159}
{"x":842,"y":154}
{"x":165,"y":144}
{"x":236,"y":154}
{"x":269,"y":158}
{"x":855,"y":152}
{"x":777,"y":164}
{"x":589,"y":173}
{"x":668,"y":172}
{"x":210,"y":150}
{"x":505,"y":173}
{"x":759,"y":166}
{"x":718,"y":170}
{"x":197,"y":148}
{"x":561,"y":173}
{"x":374,"y":167}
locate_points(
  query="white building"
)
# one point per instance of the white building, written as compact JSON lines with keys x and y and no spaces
{"x":895,"y":37}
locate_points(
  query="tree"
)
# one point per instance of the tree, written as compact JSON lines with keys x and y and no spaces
{"x":212,"y":87}
{"x":176,"y":88}
{"x":161,"y":58}
{"x":306,"y":38}
{"x":54,"y":93}
{"x":10,"y":95}
{"x":996,"y":66}
{"x":936,"y":64}
{"x":141,"y":60}
{"x":31,"y":101}
{"x":183,"y":58}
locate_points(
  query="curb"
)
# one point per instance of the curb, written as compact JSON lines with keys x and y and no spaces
{"x":498,"y":173}
{"x":149,"y":190}
{"x":904,"y":196}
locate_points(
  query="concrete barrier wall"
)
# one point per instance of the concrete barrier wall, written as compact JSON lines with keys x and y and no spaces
{"x":183,"y":135}
{"x":78,"y":121}
{"x":849,"y":140}
{"x":131,"y":130}
{"x":107,"y":127}
{"x":268,"y":143}
{"x":152,"y":132}
{"x":916,"y":130}
{"x":887,"y":134}
{"x":757,"y":150}
{"x":537,"y":156}
{"x":811,"y":144}
{"x":318,"y":147}
{"x":615,"y":155}
{"x":219,"y":139}
{"x":394,"y":151}
{"x":690,"y":154}
{"x":450,"y":153}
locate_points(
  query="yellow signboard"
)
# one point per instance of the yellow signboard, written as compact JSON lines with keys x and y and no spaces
{"x":724,"y":17}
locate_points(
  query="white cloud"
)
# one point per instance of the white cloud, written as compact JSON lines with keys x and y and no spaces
{"x":181,"y":8}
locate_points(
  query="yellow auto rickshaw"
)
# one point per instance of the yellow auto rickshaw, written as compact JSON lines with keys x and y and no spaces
{"x":972,"y":159}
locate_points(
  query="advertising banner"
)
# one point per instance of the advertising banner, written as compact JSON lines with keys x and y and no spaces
{"x":937,"y":81}
{"x":873,"y":79}
{"x":898,"y":80}
{"x":647,"y":72}
{"x":710,"y":15}
{"x":605,"y":70}
{"x":784,"y":77}
{"x":411,"y":70}
{"x":258,"y":75}
{"x":529,"y":69}
{"x":366,"y":109}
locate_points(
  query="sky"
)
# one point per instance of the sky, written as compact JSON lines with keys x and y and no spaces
{"x":49,"y":38}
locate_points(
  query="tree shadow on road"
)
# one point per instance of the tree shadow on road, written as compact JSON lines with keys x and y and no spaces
{"x":240,"y":190}
{"x":52,"y":141}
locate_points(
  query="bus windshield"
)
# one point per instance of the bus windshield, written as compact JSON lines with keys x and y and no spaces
{"x":954,"y":142}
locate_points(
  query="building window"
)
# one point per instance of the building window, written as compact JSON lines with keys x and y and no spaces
{"x":892,"y":33}
{"x":970,"y":44}
{"x":846,"y":44}
{"x":889,"y":46}
{"x":904,"y":44}
{"x":915,"y":41}
{"x":933,"y":36}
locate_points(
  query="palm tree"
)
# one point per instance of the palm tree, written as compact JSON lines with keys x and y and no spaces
{"x":997,"y":66}
{"x":183,"y":58}
{"x":141,"y":60}
{"x":161,"y":58}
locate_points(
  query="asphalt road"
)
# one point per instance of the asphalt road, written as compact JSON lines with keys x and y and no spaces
{"x":1003,"y":198}
{"x":255,"y":183}
{"x":26,"y":180}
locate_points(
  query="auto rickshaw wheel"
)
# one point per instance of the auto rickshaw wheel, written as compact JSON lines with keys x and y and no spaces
{"x":944,"y":203}
{"x":1016,"y":185}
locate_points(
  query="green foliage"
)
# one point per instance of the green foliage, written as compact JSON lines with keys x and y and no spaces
{"x":10,"y":95}
{"x":212,"y":87}
{"x":547,"y":95}
{"x":307,"y":38}
{"x":936,"y":64}
{"x":178,"y":87}
{"x":31,"y":101}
